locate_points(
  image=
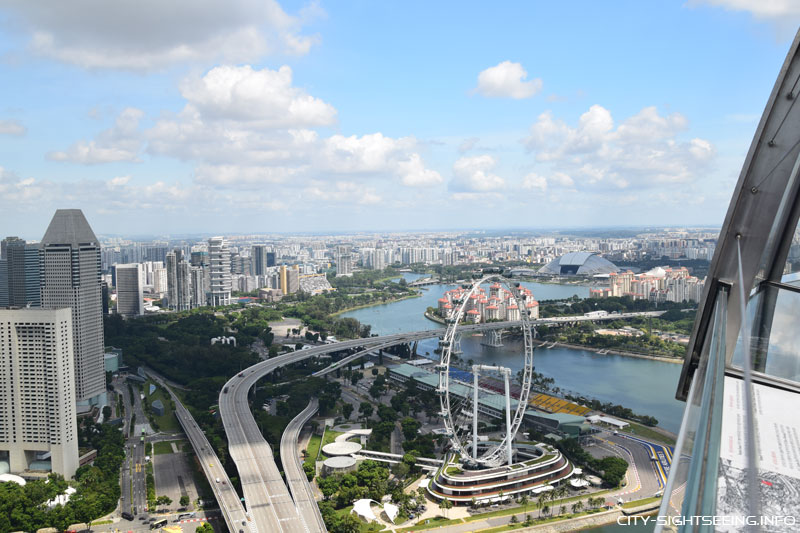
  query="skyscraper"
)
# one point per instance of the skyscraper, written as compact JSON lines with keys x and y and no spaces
{"x":219,"y":258}
{"x":130,"y":300}
{"x":37,"y":389}
{"x":19,"y":281}
{"x":258,"y":255}
{"x":179,"y":290}
{"x":70,"y":277}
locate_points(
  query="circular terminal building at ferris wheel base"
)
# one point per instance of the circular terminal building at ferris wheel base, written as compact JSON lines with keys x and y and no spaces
{"x":538,"y":469}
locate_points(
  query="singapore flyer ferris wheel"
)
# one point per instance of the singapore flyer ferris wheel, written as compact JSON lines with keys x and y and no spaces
{"x":454,"y":409}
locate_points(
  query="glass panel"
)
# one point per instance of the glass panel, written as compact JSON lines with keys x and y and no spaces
{"x":793,"y":259}
{"x":691,"y":487}
{"x":772,"y":316}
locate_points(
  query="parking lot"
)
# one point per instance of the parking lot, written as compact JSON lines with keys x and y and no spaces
{"x":173,"y":476}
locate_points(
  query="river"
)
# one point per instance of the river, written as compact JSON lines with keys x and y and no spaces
{"x":646,"y":386}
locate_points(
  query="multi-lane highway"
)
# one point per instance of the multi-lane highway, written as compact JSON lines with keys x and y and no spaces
{"x":227,"y":497}
{"x":296,"y":477}
{"x":266,"y":494}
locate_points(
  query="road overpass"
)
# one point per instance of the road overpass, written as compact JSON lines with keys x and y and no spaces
{"x":267,"y":497}
{"x":296,"y":478}
{"x":227,"y":497}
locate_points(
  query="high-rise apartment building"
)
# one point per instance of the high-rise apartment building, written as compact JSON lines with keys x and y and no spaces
{"x":344,"y":260}
{"x":160,"y":280}
{"x":198,"y":286}
{"x":219,"y":258}
{"x":130,"y":301}
{"x":70,"y":277}
{"x":37,"y":390}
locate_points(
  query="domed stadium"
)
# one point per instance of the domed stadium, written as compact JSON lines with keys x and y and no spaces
{"x":578,"y":264}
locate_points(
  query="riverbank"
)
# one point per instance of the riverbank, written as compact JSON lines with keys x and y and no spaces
{"x":605,"y":351}
{"x":417,"y":294}
{"x":663,"y":359}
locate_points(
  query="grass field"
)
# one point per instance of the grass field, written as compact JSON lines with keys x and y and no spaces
{"x":637,"y":503}
{"x":166,"y":422}
{"x":312,"y":451}
{"x":163,"y":447}
{"x":648,"y":434}
{"x":435,"y":522}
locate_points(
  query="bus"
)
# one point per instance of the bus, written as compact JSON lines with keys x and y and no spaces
{"x":141,"y":439}
{"x":158,"y":523}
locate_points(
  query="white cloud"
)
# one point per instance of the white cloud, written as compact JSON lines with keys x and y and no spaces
{"x":121,"y":142}
{"x":12,"y":127}
{"x":346,"y":192}
{"x":642,"y":151}
{"x":559,"y":179}
{"x":247,"y":130}
{"x":473,"y":174}
{"x":783,"y":15}
{"x":414,"y":174}
{"x":534,"y":182}
{"x":152,"y":34}
{"x":262,"y":96}
{"x":16,"y":192}
{"x":507,"y":80}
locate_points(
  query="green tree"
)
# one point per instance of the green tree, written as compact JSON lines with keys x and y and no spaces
{"x":445,"y":505}
{"x":184,"y":500}
{"x":410,"y":426}
{"x":347,"y":410}
{"x":365,"y":409}
{"x":205,"y":527}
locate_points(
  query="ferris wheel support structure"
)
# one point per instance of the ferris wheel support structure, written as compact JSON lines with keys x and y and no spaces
{"x":494,"y":456}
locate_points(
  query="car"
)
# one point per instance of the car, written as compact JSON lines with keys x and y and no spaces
{"x":224,"y":482}
{"x":241,"y":374}
{"x":211,"y":465}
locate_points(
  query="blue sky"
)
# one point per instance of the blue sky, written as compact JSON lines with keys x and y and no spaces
{"x":255,"y":116}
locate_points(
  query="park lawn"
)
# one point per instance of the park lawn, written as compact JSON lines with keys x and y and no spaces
{"x":643,"y":501}
{"x":162,"y":447}
{"x":166,"y":422}
{"x":648,"y":433}
{"x":437,"y":521}
{"x":312,"y":450}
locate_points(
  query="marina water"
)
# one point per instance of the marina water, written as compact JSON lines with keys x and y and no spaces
{"x":643,"y":385}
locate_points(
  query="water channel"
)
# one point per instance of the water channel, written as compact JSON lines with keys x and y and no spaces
{"x":645,"y":386}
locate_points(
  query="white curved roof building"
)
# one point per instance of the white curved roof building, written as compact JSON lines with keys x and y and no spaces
{"x":578,"y":264}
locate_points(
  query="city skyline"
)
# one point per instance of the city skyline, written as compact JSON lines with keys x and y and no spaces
{"x":298,"y":117}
